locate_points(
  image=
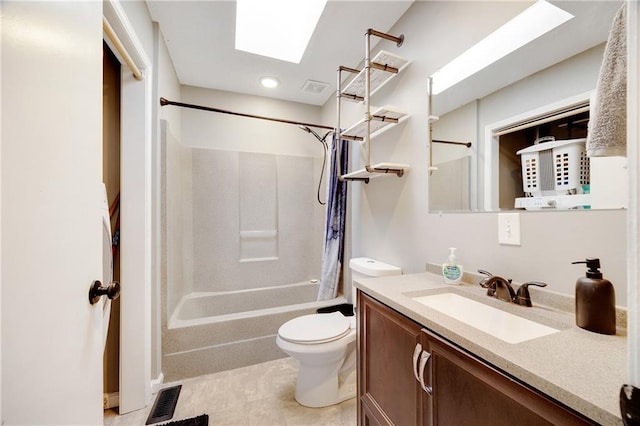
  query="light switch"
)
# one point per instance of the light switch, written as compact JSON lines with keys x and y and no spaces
{"x":509,"y":228}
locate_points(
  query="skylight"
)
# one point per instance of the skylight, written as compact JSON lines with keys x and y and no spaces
{"x":279,"y":29}
{"x":537,"y":20}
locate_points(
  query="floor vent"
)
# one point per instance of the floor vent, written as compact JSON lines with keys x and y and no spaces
{"x":165,"y":405}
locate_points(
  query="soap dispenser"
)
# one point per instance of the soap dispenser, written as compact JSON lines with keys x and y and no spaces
{"x":595,"y":300}
{"x":451,"y":271}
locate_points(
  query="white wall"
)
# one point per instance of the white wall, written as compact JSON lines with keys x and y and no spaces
{"x":390,"y":215}
{"x":167,"y":87}
{"x":203,"y":129}
{"x":569,"y":78}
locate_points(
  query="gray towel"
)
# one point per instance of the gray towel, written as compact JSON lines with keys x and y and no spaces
{"x":608,"y":123}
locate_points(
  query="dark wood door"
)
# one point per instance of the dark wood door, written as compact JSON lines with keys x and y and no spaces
{"x":467,"y":391}
{"x":388,"y":391}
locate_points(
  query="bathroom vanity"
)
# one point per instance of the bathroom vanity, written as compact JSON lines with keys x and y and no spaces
{"x":418,"y":366}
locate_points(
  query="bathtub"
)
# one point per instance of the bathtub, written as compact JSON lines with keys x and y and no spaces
{"x":217,"y":331}
{"x":209,"y":307}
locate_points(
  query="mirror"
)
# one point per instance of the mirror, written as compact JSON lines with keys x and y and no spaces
{"x":538,"y":96}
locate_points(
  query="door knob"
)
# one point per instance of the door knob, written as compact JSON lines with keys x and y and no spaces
{"x":112,"y":291}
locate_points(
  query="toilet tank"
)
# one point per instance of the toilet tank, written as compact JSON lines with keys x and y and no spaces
{"x":364,"y":267}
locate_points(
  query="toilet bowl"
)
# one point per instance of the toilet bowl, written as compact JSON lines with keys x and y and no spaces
{"x":325,"y":346}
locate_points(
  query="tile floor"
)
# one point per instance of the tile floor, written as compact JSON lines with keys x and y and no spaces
{"x":261,"y":395}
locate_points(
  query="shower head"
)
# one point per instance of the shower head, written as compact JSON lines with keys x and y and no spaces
{"x":317,"y":136}
{"x":308,"y":130}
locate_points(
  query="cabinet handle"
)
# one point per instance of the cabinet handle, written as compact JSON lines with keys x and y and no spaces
{"x":424,"y":359}
{"x":416,"y":355}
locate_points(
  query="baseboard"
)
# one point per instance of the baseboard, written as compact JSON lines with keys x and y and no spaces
{"x":156,"y":383}
{"x":110,"y":400}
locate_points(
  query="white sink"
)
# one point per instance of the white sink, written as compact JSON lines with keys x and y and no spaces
{"x":498,"y":323}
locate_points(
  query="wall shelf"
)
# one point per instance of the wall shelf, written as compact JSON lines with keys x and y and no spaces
{"x":377,"y":170}
{"x":384,"y":67}
{"x":382,"y":119}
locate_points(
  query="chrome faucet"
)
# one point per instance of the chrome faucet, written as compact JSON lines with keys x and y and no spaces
{"x":501,"y":289}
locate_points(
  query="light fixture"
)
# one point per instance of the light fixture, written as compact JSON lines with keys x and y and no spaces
{"x":535,"y":21}
{"x":280,"y":29}
{"x":269,"y":82}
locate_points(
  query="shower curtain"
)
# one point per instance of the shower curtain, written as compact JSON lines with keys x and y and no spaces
{"x":335,"y":224}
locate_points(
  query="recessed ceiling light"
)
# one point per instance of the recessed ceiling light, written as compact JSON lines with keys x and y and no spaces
{"x":280,"y":29}
{"x":535,"y":21}
{"x":269,"y":82}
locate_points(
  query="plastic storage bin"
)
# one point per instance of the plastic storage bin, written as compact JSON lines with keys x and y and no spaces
{"x":554,"y":168}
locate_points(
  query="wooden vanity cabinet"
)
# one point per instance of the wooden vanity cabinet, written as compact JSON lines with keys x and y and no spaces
{"x":387,"y":389}
{"x":468,"y":391}
{"x":464,"y":389}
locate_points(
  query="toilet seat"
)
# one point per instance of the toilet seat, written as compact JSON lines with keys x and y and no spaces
{"x":315,"y":328}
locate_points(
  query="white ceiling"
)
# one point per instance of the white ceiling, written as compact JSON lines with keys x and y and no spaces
{"x":200,"y":38}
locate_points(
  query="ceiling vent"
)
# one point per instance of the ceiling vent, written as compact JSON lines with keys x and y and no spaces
{"x":314,"y":87}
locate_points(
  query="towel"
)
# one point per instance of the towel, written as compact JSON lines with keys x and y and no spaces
{"x":608,"y":123}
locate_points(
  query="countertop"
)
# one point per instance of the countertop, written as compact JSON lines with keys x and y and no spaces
{"x":581,"y":369}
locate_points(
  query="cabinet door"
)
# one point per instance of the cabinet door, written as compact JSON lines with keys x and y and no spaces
{"x":387,"y":388}
{"x":467,"y":391}
{"x":369,"y":416}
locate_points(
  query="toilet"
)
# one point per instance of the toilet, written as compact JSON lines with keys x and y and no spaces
{"x":325,"y":345}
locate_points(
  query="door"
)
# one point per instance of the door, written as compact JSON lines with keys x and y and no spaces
{"x":51,"y":198}
{"x":387,"y":341}
{"x":467,"y":391}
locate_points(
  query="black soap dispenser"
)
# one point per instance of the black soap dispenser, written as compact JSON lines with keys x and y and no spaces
{"x":595,"y":300}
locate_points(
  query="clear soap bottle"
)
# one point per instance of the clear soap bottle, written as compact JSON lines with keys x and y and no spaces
{"x":451,"y":270}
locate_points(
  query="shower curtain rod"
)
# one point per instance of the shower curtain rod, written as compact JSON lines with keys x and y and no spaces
{"x":164,"y":102}
{"x":467,"y":144}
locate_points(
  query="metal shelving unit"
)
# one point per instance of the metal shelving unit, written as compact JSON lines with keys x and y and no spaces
{"x":375,"y":75}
